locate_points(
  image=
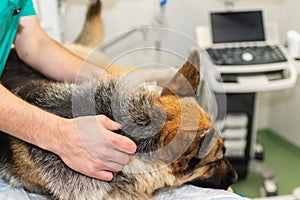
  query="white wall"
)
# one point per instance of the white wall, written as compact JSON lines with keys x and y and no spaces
{"x":284,"y":113}
{"x":121,"y":15}
{"x":48,"y":14}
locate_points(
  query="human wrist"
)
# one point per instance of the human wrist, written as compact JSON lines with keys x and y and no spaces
{"x":60,"y":135}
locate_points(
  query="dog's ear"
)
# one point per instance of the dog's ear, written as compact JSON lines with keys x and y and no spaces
{"x":186,"y":81}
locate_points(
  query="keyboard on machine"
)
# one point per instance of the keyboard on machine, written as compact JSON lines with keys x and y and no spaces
{"x":246,"y":55}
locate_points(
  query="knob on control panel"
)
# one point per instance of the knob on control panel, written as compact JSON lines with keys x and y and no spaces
{"x":247,"y":56}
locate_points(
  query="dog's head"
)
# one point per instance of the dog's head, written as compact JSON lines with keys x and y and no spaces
{"x":186,"y":140}
{"x":189,"y":130}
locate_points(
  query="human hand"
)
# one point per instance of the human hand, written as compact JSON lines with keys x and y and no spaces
{"x":106,"y":76}
{"x":92,"y":149}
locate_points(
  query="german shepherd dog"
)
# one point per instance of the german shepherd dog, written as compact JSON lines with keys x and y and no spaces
{"x":177,"y":142}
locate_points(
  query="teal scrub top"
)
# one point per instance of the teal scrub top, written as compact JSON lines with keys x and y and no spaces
{"x":10,"y":13}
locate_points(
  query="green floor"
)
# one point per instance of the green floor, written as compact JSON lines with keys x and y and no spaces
{"x":283,"y":158}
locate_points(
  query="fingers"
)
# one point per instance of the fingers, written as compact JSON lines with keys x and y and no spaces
{"x":88,"y":166}
{"x":113,"y":167}
{"x":121,"y":143}
{"x":114,"y":156}
{"x":108,"y":123}
{"x":99,"y":150}
{"x":92,"y":167}
{"x":104,"y":175}
{"x":102,"y":170}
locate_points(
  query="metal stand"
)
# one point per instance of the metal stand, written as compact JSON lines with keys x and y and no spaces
{"x":251,"y":159}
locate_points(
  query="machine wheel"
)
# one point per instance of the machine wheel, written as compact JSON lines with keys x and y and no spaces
{"x":259,"y":152}
{"x":269,"y":188}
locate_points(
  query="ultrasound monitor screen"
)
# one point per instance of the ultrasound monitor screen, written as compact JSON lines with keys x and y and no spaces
{"x":237,"y":26}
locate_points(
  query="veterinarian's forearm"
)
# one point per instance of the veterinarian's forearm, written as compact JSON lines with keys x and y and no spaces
{"x":47,"y":56}
{"x":28,"y":122}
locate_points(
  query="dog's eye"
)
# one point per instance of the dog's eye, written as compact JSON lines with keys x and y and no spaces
{"x":216,"y":162}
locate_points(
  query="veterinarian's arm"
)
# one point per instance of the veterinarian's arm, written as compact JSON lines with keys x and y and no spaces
{"x":96,"y":156}
{"x":44,"y":54}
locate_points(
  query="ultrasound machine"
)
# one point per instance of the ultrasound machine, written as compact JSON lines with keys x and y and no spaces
{"x":243,"y":60}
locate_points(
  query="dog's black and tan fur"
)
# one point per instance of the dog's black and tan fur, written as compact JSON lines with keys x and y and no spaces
{"x":176,"y":140}
{"x":168,"y":129}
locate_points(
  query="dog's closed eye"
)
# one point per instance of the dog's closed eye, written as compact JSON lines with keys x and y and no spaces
{"x":215,"y":162}
{"x":208,"y":142}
